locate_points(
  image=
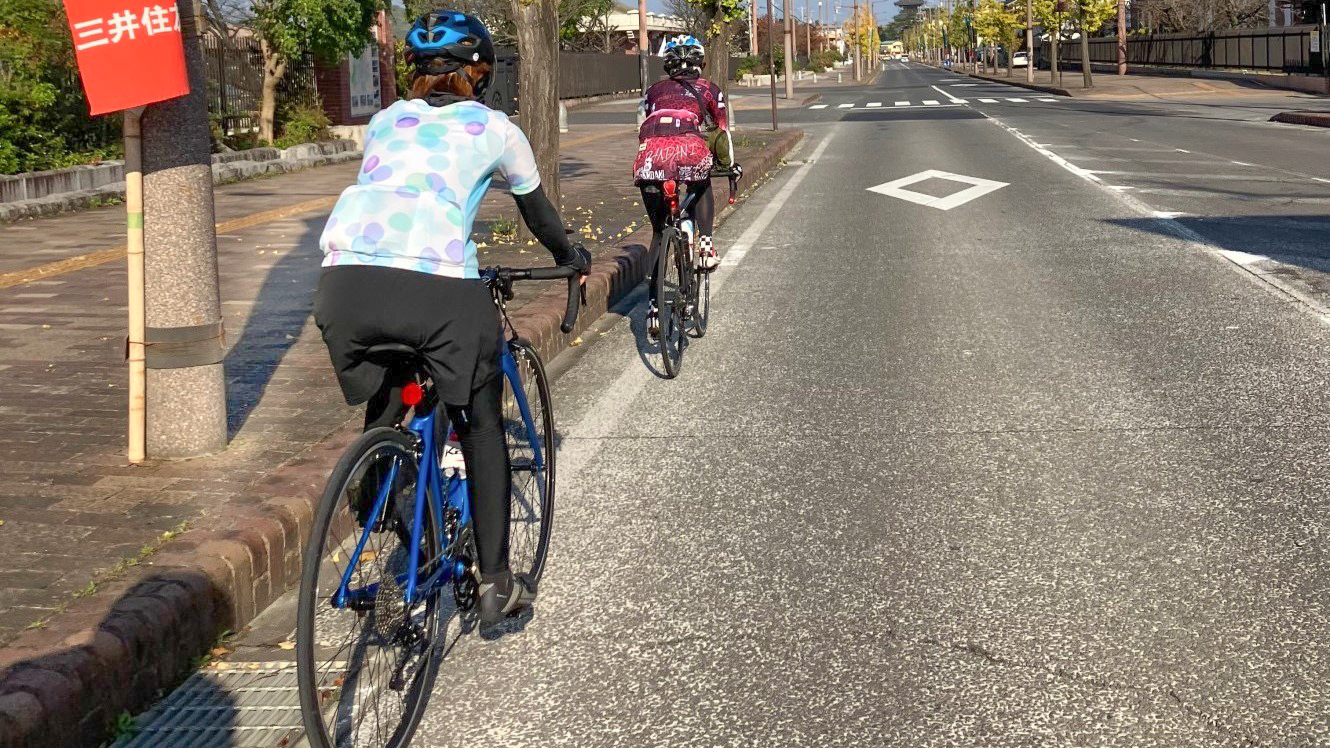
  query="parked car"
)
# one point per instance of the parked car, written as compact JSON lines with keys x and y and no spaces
{"x":1020,"y":60}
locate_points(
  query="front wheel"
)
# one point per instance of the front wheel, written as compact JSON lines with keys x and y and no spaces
{"x":365,"y":666}
{"x":671,"y":300}
{"x":529,"y":438}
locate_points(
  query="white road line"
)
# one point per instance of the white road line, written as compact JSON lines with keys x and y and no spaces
{"x":1051,"y":156}
{"x":1318,"y":179}
{"x":930,"y":102}
{"x":1167,"y":214}
{"x":959,"y":101}
{"x":874,"y":104}
{"x":988,"y":101}
{"x":845,"y":106}
{"x":586,"y":438}
{"x":1239,"y":262}
{"x":818,"y":106}
{"x":1017,"y":101}
{"x":1119,"y":187}
{"x":1054,"y":101}
{"x":1182,"y":150}
{"x":1241,"y":163}
{"x":947,"y":94}
{"x":902,"y":103}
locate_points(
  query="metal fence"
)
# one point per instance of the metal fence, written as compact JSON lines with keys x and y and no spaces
{"x":1286,"y":48}
{"x":234,"y":70}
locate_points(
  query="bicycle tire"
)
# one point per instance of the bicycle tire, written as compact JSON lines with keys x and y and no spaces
{"x":531,"y":512}
{"x":670,"y":301}
{"x":315,"y":689}
{"x":701,"y":303}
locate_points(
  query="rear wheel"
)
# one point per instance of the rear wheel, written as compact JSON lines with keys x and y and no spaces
{"x":671,"y":299}
{"x":365,"y":669}
{"x":531,"y":499}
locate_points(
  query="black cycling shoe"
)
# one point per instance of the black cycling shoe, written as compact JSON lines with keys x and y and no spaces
{"x":509,"y":595}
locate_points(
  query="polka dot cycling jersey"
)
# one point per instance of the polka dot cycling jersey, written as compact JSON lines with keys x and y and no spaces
{"x":424,"y":173}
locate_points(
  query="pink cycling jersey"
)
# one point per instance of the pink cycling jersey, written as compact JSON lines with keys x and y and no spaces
{"x":671,"y":141}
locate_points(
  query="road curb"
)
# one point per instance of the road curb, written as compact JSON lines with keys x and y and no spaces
{"x":1312,"y":119}
{"x":130,"y":639}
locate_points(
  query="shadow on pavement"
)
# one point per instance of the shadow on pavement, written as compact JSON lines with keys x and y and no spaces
{"x":1291,"y":239}
{"x":280,"y":311}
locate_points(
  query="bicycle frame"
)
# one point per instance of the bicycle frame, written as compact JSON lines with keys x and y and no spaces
{"x":430,"y":485}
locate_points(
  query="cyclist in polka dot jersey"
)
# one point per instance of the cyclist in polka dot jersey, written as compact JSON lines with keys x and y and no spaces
{"x":400,"y":267}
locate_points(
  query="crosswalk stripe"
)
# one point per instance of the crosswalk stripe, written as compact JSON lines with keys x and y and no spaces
{"x":818,"y":106}
{"x":1018,"y":101}
{"x":845,"y":106}
{"x":929,"y":102}
{"x":902,"y":103}
{"x":874,"y":104}
{"x":988,"y":101}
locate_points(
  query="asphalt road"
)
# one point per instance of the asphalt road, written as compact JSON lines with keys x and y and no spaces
{"x":1045,"y":467}
{"x":1034,"y":470}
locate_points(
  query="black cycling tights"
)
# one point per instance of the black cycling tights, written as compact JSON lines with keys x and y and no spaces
{"x":658,"y":209}
{"x":479,"y":426}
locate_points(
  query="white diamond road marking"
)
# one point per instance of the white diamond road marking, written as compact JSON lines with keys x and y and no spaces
{"x":930,"y":102}
{"x":845,"y":106}
{"x":818,"y":106}
{"x":1051,"y":101}
{"x":988,"y":101}
{"x":1017,"y":101}
{"x":902,"y":103}
{"x":959,"y":101}
{"x":979,"y":187}
{"x":874,"y":104}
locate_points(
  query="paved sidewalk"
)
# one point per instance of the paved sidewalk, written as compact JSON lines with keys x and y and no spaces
{"x":88,"y":535}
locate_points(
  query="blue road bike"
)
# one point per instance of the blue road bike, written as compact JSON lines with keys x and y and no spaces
{"x":392,"y":537}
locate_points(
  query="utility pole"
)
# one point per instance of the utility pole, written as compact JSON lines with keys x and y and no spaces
{"x":1029,"y":41}
{"x":771,"y":58}
{"x":186,"y":389}
{"x":1122,"y":37}
{"x":752,"y":29}
{"x":854,"y":24}
{"x":789,"y":48}
{"x":808,"y":33}
{"x":643,"y":46}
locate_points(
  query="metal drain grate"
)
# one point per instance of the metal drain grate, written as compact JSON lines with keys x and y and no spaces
{"x":237,"y":705}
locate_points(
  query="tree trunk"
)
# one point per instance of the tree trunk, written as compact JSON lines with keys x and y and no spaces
{"x":1085,"y":56}
{"x":1052,"y":58}
{"x":537,"y":23}
{"x":718,"y":60}
{"x":274,"y":67}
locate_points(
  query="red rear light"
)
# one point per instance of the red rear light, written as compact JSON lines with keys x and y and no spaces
{"x":672,"y":195}
{"x":412,"y":394}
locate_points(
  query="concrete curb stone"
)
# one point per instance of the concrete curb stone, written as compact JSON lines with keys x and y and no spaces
{"x":117,"y":649}
{"x":1312,"y":119}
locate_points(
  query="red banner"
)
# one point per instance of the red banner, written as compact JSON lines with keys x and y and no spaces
{"x":129,"y":54}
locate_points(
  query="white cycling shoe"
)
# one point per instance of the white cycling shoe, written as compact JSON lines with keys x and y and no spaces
{"x":707,"y":259}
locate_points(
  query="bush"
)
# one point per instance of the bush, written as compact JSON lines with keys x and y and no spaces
{"x":749,"y":65}
{"x":304,"y":123}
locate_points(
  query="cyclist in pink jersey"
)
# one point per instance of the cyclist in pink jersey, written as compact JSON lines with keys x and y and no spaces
{"x":676,"y":114}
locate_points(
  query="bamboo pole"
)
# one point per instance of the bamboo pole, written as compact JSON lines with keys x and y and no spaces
{"x":134,"y":241}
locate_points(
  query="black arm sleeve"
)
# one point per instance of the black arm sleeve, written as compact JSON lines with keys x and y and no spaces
{"x":543,"y":219}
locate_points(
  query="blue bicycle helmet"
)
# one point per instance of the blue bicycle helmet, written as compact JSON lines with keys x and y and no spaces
{"x":683,"y":54}
{"x":442,"y":41}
